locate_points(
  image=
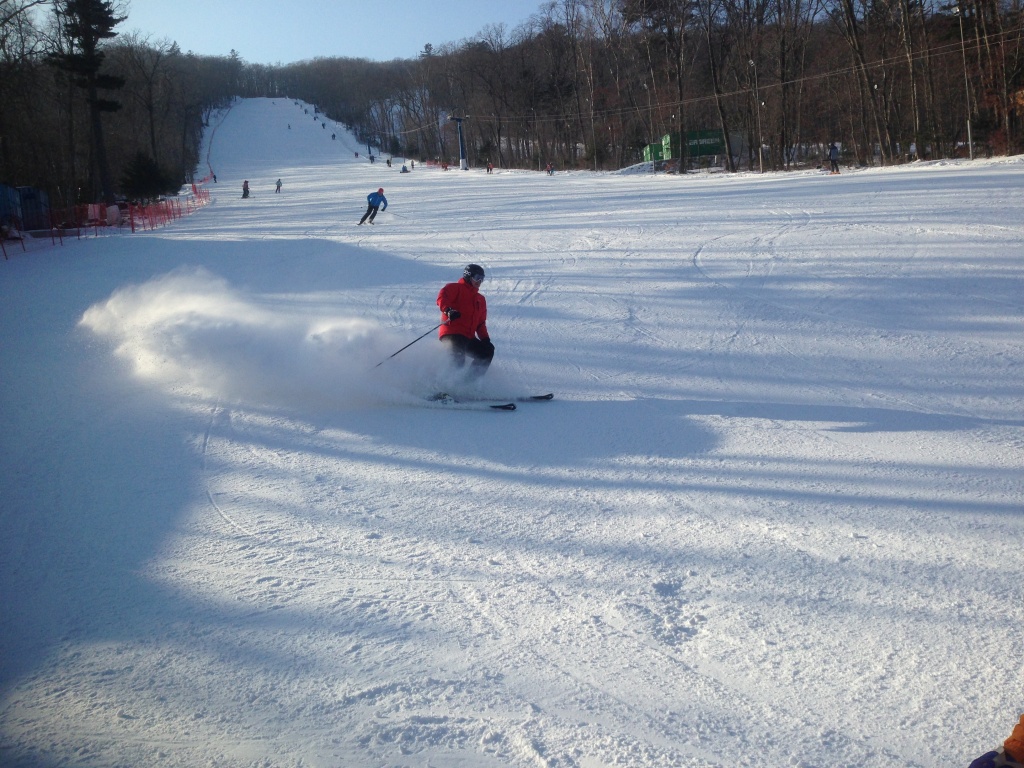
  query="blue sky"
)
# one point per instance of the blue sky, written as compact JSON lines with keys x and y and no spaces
{"x":284,"y":32}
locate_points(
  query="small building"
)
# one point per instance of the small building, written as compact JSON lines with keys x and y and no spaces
{"x":10,"y":206}
{"x":698,"y":144}
{"x":35,"y":208}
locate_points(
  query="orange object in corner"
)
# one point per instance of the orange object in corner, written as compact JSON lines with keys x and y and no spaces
{"x":1014,"y":746}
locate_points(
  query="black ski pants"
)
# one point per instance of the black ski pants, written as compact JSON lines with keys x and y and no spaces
{"x":371,"y":212}
{"x":480,"y":353}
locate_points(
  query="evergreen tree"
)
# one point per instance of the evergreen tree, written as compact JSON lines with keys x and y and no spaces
{"x":145,"y":179}
{"x":87,"y":23}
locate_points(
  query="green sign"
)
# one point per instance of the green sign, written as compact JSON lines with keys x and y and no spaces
{"x":701,"y":143}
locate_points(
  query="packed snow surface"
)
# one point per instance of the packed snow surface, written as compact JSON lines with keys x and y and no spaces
{"x":773,"y":517}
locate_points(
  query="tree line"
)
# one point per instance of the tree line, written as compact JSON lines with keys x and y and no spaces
{"x":88,"y":114}
{"x":590,"y":83}
{"x":582,"y":84}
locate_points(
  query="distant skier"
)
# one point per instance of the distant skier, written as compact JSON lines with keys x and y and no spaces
{"x":277,"y":188}
{"x":833,"y":157}
{"x":245,"y":189}
{"x":464,"y":322}
{"x":375,"y":201}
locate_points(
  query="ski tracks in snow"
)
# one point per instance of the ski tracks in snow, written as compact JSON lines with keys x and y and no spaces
{"x":759,"y":283}
{"x":217,"y":414}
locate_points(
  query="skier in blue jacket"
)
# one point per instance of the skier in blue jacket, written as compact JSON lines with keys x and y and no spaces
{"x":376,"y":201}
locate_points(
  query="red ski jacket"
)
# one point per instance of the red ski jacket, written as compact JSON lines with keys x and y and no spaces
{"x":472,"y":307}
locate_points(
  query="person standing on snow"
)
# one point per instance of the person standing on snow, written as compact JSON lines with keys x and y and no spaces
{"x":245,"y":189}
{"x":375,"y":201}
{"x":833,"y":157}
{"x":278,"y":187}
{"x":464,"y":322}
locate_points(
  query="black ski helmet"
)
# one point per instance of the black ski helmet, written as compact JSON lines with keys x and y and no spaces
{"x":473,"y":272}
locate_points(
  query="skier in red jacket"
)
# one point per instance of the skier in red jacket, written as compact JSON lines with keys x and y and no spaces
{"x":464,"y":321}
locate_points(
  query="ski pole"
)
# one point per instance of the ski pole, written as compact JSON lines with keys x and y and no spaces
{"x":378,"y":365}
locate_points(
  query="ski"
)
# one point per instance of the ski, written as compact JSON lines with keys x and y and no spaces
{"x":445,"y":400}
{"x":513,"y":400}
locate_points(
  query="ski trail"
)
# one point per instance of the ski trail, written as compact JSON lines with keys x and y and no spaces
{"x":214,"y":413}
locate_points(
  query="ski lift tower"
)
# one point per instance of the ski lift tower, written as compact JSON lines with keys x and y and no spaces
{"x":463,"y":163}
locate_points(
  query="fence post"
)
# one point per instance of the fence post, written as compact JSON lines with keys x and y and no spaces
{"x":58,"y":229}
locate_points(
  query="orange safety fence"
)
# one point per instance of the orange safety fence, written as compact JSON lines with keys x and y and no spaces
{"x":95,"y":219}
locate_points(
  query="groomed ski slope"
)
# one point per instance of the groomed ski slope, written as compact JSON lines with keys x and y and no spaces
{"x":773,"y":518}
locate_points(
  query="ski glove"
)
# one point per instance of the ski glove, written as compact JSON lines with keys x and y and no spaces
{"x":994,"y":760}
{"x":452,"y":314}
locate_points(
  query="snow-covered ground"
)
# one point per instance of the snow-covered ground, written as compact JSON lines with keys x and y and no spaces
{"x":774,"y":516}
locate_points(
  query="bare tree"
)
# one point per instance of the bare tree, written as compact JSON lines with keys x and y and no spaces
{"x":711,"y":17}
{"x":145,"y":65}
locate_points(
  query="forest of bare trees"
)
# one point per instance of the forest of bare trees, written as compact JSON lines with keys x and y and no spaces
{"x":584,"y":84}
{"x":589,"y":83}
